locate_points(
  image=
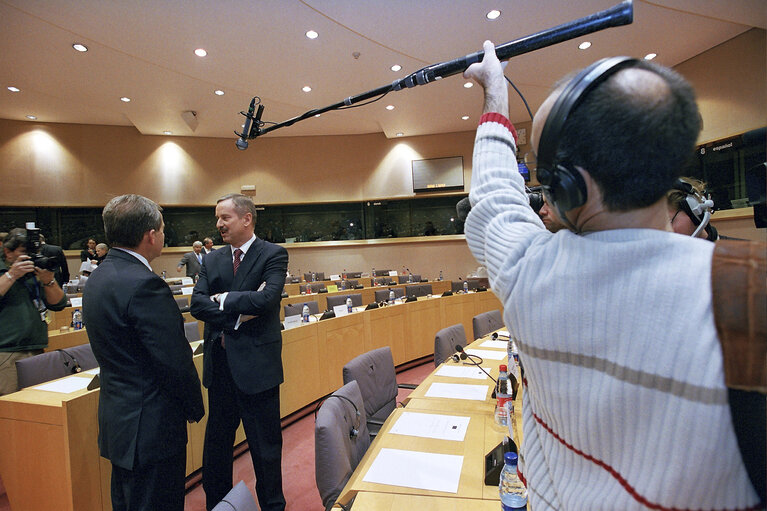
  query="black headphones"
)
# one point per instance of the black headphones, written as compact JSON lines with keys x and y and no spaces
{"x":562,"y":184}
{"x":355,"y":430}
{"x":70,"y":359}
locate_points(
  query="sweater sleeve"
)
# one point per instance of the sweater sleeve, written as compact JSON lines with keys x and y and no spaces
{"x":501,"y":225}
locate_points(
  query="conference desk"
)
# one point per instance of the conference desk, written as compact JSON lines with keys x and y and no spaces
{"x":482,"y":435}
{"x":48,"y":440}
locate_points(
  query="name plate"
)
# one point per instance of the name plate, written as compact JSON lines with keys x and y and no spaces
{"x":76,"y":301}
{"x":187,"y":281}
{"x":341,"y":310}
{"x":187,"y":291}
{"x":292,"y":321}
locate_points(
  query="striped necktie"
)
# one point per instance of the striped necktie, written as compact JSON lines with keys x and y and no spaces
{"x":236,"y":262}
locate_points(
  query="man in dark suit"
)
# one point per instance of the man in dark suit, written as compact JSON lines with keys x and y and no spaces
{"x":192,"y":260}
{"x":207,"y":246}
{"x":238,"y":298}
{"x":149,"y":385}
{"x":61,"y":274}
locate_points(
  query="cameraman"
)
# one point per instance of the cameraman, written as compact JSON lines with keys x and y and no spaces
{"x":23,"y":302}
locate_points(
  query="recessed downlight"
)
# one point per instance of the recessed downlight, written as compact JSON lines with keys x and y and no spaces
{"x":167,"y":132}
{"x":494,"y":14}
{"x":400,"y":134}
{"x":468,"y":85}
{"x":585,"y":45}
{"x":80,"y":47}
{"x":218,"y":92}
{"x":390,"y":107}
{"x":125,"y":99}
{"x":306,"y":88}
{"x":31,"y":117}
{"x":13,"y":89}
{"x":311,"y":34}
{"x":650,"y":56}
{"x":200,"y":52}
{"x":396,"y":67}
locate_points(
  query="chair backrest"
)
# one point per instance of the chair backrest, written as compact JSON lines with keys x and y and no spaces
{"x":418,"y":290}
{"x":381,"y":273}
{"x":382,"y":295}
{"x":374,"y":373}
{"x":315,"y":286}
{"x":334,"y":300}
{"x":84,"y":356}
{"x":353,"y":274}
{"x":192,"y":331}
{"x":337,"y":449}
{"x":175,"y":289}
{"x":351,"y":283}
{"x":487,"y":322}
{"x":239,"y":498}
{"x":384,"y":281}
{"x":319,"y":275}
{"x":42,"y":368}
{"x":456,"y":286}
{"x":293,"y":309}
{"x":403,"y":279}
{"x":182,"y":302}
{"x":446,"y":340}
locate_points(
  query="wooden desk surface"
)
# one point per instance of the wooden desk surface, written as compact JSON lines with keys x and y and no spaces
{"x":376,"y":501}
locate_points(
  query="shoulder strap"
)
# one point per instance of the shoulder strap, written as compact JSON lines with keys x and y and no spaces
{"x":739,"y":290}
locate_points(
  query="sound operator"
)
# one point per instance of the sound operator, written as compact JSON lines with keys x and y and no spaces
{"x":625,"y":405}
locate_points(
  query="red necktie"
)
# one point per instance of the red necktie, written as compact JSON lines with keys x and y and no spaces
{"x":237,"y":254}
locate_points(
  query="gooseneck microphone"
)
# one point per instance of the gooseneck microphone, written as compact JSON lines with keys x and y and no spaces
{"x":71,"y":359}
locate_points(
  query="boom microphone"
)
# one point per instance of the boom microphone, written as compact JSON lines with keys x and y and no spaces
{"x":242,"y":142}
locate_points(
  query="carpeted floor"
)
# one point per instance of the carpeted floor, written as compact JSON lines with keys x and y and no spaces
{"x":297,"y":460}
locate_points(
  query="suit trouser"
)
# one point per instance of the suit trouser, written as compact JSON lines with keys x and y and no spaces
{"x":260,"y":415}
{"x":151,"y":487}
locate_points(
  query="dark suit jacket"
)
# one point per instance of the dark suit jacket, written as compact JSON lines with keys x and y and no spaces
{"x":149,"y":385}
{"x":254,"y":351}
{"x":191,"y":262}
{"x":62,"y":271}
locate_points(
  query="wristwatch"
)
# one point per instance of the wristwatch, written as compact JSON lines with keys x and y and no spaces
{"x":49,"y":284}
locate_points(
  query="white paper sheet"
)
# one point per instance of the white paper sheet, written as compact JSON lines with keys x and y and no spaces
{"x":431,"y":425}
{"x":187,"y":291}
{"x":413,"y":469}
{"x":95,"y":370}
{"x":458,"y":391}
{"x":65,"y":386}
{"x":292,"y":321}
{"x":187,"y":281}
{"x":490,"y":355}
{"x":472,"y":372}
{"x":340,"y":310}
{"x":504,"y":333}
{"x":76,"y":301}
{"x":495,"y":344}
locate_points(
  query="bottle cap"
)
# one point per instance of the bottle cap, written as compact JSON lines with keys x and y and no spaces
{"x":510,"y":458}
{"x":502,"y":368}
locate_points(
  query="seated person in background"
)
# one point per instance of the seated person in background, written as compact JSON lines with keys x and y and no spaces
{"x":101,"y":252}
{"x":687,"y":206}
{"x":90,"y":251}
{"x":192,"y":260}
{"x":617,"y":387}
{"x":548,"y":218}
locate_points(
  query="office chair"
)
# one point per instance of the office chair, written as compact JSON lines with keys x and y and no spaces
{"x":456,"y":286}
{"x":418,"y":290}
{"x":84,"y":356}
{"x":318,"y":275}
{"x":183,"y":303}
{"x":315,"y":286}
{"x":293,"y":309}
{"x":340,"y":299}
{"x":384,"y":281}
{"x":192,"y":331}
{"x":487,"y":322}
{"x":42,"y":368}
{"x":403,"y":279}
{"x":351,"y":283}
{"x":446,"y":340}
{"x":239,"y":498}
{"x":175,"y":288}
{"x":375,"y":375}
{"x":341,"y":439}
{"x":382,"y":295}
{"x":381,"y":273}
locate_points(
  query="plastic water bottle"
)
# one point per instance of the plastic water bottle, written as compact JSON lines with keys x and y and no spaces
{"x":503,"y":394}
{"x":343,"y":285}
{"x":373,"y":276}
{"x":349,"y":303}
{"x":305,"y":314}
{"x":164,"y":275}
{"x":465,"y":286}
{"x":513,"y":493}
{"x":409,"y":276}
{"x":77,"y":319}
{"x":440,"y":274}
{"x":391,"y":296}
{"x":308,"y":288}
{"x":314,"y":277}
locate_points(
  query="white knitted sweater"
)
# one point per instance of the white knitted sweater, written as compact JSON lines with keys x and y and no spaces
{"x":625,"y":405}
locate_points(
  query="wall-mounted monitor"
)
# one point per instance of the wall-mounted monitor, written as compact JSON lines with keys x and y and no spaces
{"x":438,"y":174}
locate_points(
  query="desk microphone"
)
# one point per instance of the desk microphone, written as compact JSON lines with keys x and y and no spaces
{"x":75,"y":366}
{"x":468,"y":356}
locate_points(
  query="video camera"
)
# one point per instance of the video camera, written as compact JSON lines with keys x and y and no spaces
{"x":33,"y":249}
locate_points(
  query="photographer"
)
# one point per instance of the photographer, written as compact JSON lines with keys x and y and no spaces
{"x":26,"y":292}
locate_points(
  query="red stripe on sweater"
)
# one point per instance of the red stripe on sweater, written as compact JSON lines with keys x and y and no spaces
{"x":630,"y":489}
{"x":500,"y":119}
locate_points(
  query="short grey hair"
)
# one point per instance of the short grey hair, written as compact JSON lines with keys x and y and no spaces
{"x":128,"y":217}
{"x":242,"y":204}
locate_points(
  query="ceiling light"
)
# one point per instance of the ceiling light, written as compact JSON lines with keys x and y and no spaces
{"x":166,"y":132}
{"x":468,"y":85}
{"x":390,"y":107}
{"x":31,"y":117}
{"x":585,"y":45}
{"x":125,"y":99}
{"x":14,"y":89}
{"x":80,"y":47}
{"x":400,"y":134}
{"x":218,"y":92}
{"x":396,"y":67}
{"x":200,"y":52}
{"x":465,"y":118}
{"x":494,"y":14}
{"x":311,"y":34}
{"x":306,"y":88}
{"x":650,"y":56}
